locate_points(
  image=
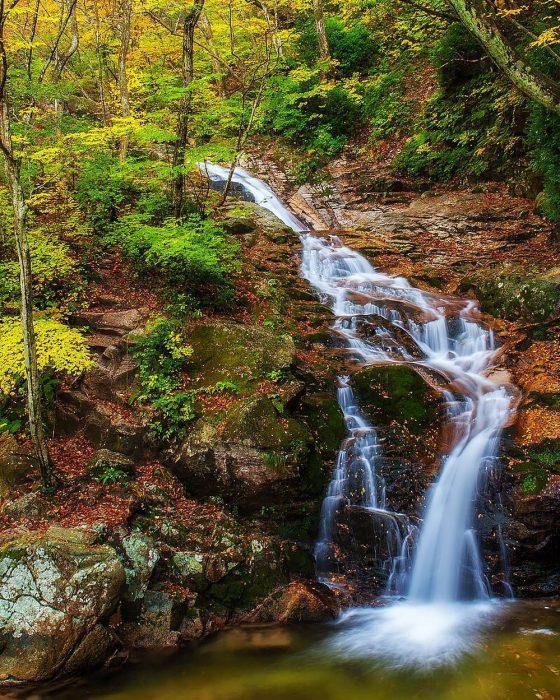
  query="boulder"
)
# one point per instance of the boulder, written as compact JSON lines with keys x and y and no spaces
{"x":299,"y":601}
{"x":226,"y":351}
{"x":107,"y":459}
{"x":154,"y":622}
{"x":56,"y":594}
{"x":255,"y":457}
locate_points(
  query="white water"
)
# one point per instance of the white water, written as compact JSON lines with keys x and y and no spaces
{"x":447,"y":582}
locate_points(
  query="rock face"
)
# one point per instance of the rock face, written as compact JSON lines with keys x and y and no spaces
{"x":56,"y":593}
{"x":300,"y":601}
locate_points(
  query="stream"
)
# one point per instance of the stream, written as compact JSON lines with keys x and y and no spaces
{"x":441,"y":630}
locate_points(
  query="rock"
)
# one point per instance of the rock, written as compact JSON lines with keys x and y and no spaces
{"x":189,"y":570}
{"x":107,"y":429}
{"x":31,"y":505}
{"x":515,"y":294}
{"x":225,"y":351}
{"x":397,"y":393}
{"x":15,"y":463}
{"x":152,"y":624}
{"x":257,"y":457}
{"x":54,"y":594}
{"x":107,"y":459}
{"x":141,"y":557}
{"x":300,"y":601}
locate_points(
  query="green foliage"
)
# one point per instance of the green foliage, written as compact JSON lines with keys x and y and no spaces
{"x":174,"y":412}
{"x":384,"y":105}
{"x":60,"y":350}
{"x":56,"y":278}
{"x":194,"y":256}
{"x":352,"y":47}
{"x":101,"y":189}
{"x":110,"y":474}
{"x":161,"y":355}
{"x":544,"y":142}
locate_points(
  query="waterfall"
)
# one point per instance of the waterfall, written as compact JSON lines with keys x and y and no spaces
{"x":447,"y":565}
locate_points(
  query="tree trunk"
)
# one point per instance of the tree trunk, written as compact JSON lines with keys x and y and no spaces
{"x":480,"y":19}
{"x":324,"y":51}
{"x":34,"y":401}
{"x":217,"y":67}
{"x":126,"y":16}
{"x":189,"y":25}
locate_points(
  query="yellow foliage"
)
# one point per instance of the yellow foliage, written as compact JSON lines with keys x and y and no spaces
{"x":59,"y":348}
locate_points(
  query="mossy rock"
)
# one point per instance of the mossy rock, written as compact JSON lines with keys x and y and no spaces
{"x":324,"y":418}
{"x":517,"y":295}
{"x":255,"y":422}
{"x":225,"y":351}
{"x":398,"y":394}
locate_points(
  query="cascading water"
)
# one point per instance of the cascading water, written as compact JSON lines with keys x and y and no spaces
{"x":435,"y":622}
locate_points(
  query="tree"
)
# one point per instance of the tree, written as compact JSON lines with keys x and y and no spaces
{"x":122,"y":74}
{"x":481,"y":19}
{"x":12,"y":167}
{"x":190,"y":21}
{"x":324,"y":51}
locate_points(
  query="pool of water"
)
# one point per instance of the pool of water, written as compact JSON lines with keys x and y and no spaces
{"x":511,"y":651}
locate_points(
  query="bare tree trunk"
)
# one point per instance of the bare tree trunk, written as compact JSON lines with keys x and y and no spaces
{"x":206,"y":28}
{"x":324,"y":51}
{"x":126,"y":16}
{"x":34,"y":401}
{"x":189,"y":25}
{"x":479,"y":17}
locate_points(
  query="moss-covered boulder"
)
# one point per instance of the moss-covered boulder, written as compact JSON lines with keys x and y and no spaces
{"x":394,"y":394}
{"x":255,"y":456}
{"x":56,"y":592}
{"x":232,"y":352}
{"x":517,"y":295}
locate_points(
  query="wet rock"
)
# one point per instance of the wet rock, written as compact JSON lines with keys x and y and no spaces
{"x":397,"y":393}
{"x":54,"y":592}
{"x":300,"y":601}
{"x":189,"y":569}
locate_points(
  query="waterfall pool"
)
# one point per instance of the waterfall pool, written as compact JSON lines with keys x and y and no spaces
{"x":510,"y":652}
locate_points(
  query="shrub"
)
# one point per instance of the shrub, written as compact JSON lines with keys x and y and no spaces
{"x":60,"y":350}
{"x":101,"y":189}
{"x":353,"y":47}
{"x":56,"y":279}
{"x":193,"y":257}
{"x":161,"y":355}
{"x":544,"y":141}
{"x":384,"y":105}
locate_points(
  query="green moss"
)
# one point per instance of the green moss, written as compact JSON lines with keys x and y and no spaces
{"x":237,"y":353}
{"x":516,"y":295}
{"x":394,"y":393}
{"x":255,"y":422}
{"x":323,"y":415}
